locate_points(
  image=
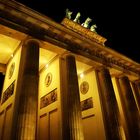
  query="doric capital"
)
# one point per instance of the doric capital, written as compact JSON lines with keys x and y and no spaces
{"x":32,"y":41}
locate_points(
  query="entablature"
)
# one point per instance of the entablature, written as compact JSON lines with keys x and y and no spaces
{"x":28,"y":21}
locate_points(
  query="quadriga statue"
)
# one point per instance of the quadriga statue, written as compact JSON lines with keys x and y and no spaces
{"x":77,"y":18}
{"x":93,"y":28}
{"x":86,"y":23}
{"x":68,"y":13}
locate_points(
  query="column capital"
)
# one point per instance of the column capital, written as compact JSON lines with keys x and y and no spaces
{"x":102,"y":67}
{"x":67,"y":54}
{"x":137,"y":81}
{"x":30,"y":40}
{"x":124,"y":78}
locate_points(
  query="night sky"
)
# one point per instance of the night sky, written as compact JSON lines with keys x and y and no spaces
{"x":117,"y":20}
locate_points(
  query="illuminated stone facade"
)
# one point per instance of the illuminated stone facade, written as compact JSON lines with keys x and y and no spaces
{"x":62,"y":82}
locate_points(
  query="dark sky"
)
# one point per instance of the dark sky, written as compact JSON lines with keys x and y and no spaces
{"x":117,"y":20}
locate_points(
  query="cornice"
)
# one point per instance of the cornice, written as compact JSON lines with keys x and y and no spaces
{"x":24,"y":19}
{"x":83,"y":31}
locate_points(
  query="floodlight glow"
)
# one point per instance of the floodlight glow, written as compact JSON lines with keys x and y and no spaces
{"x":47,"y":66}
{"x":12,"y":55}
{"x":81,"y":75}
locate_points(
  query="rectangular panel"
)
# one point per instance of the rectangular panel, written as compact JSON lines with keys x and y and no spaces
{"x":54,"y":129}
{"x":7,"y":123}
{"x":43,"y":127}
{"x":87,"y":104}
{"x":8,"y":93}
{"x":88,"y":125}
{"x":48,"y":99}
{"x":1,"y":123}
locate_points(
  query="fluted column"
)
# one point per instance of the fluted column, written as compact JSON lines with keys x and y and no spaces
{"x":109,"y":105}
{"x":136,"y":92}
{"x":138,"y":86}
{"x":71,"y":111}
{"x":130,"y":109}
{"x":25,"y":113}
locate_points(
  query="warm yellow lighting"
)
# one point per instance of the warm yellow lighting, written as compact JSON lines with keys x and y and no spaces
{"x":12,"y":55}
{"x":7,"y":46}
{"x":47,"y":66}
{"x":5,"y":49}
{"x":81,"y":75}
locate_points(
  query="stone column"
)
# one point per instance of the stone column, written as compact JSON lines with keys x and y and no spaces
{"x":137,"y":83}
{"x":136,"y":92}
{"x":109,"y":105}
{"x":70,"y":100}
{"x":130,"y":109}
{"x":26,"y":100}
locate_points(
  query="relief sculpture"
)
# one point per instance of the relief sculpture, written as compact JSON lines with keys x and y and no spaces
{"x":48,"y":98}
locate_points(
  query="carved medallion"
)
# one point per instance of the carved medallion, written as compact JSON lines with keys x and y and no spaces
{"x":84,"y":87}
{"x":11,"y":70}
{"x":48,"y":79}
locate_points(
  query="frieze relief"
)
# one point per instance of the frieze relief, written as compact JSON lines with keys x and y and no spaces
{"x":110,"y":61}
{"x":48,"y":99}
{"x":86,"y":104}
{"x":8,"y":93}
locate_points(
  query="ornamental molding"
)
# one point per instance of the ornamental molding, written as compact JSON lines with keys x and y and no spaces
{"x":107,"y":61}
{"x":41,"y":27}
{"x":83,"y":31}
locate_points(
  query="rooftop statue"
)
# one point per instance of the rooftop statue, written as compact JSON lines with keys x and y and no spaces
{"x":87,"y":28}
{"x":93,"y":28}
{"x":77,"y":18}
{"x":86,"y":23}
{"x":68,"y":13}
